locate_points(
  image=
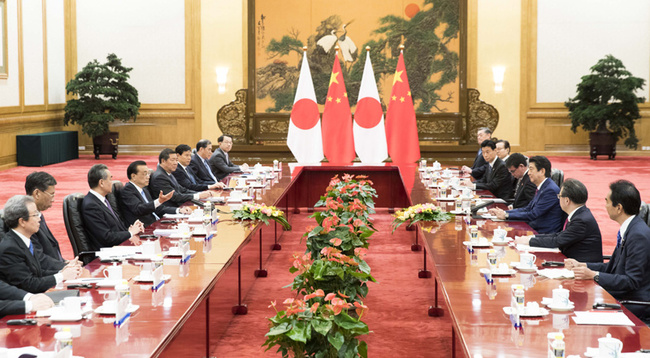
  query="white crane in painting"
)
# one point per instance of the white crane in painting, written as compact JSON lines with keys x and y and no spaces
{"x":327,"y":42}
{"x":347,"y":46}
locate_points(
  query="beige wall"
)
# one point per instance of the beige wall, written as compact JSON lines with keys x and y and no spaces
{"x":223,"y":44}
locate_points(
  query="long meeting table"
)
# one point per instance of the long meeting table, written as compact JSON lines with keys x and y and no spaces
{"x":192,"y":310}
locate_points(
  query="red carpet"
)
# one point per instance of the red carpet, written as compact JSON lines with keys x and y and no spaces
{"x":596,"y":175}
{"x":398,"y":302}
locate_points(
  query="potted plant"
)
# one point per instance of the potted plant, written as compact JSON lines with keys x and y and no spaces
{"x":102,"y":95}
{"x":607,"y":106}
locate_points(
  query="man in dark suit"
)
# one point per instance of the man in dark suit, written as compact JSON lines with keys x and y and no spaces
{"x":104,"y":227}
{"x":627,"y":274}
{"x":163,"y":180}
{"x":496,"y":179}
{"x":137,"y":203}
{"x":477,"y":170}
{"x":543,"y":213}
{"x":185,"y":176}
{"x":13,"y":300}
{"x":580,"y":238}
{"x":19,"y":263}
{"x":41,"y":187}
{"x":524,"y":190}
{"x":220,"y":161}
{"x":199,"y":163}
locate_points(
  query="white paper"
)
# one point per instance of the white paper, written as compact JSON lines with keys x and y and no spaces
{"x":556,"y":273}
{"x":176,"y":216}
{"x":602,"y":318}
{"x":522,"y":247}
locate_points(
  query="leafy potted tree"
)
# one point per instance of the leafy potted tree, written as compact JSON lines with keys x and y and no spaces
{"x":102,"y":95}
{"x":607,"y":106}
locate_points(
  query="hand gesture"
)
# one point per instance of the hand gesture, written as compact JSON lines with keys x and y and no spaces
{"x":41,"y":302}
{"x":164,"y":197}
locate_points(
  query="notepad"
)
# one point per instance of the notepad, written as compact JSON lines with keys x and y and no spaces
{"x":602,"y":318}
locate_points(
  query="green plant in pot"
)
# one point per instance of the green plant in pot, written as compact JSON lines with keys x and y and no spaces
{"x":102,"y":95}
{"x":606,"y":105}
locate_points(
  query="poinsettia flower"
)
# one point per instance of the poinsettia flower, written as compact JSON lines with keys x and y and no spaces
{"x":288,"y":301}
{"x":336,"y":241}
{"x":360,"y":308}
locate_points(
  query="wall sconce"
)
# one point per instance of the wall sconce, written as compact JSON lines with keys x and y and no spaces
{"x":498,"y":73}
{"x":222,"y":78}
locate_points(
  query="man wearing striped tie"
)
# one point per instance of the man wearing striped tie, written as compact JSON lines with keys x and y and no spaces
{"x":627,"y":274}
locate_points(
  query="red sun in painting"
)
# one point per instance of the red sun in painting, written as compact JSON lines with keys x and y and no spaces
{"x":411,"y":10}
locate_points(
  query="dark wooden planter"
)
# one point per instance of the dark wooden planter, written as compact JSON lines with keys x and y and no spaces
{"x":602,"y":143}
{"x":106,"y":144}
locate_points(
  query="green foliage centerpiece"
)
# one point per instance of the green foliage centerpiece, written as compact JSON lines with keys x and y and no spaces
{"x":324,"y":318}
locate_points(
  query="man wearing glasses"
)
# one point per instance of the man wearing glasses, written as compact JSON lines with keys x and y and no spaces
{"x":524,"y":189}
{"x":19,"y":262}
{"x":580,"y":239}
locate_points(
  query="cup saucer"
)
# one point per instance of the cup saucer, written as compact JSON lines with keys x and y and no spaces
{"x":522,"y":268}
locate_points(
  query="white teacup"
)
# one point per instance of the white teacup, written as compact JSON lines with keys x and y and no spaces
{"x":560,"y":297}
{"x":609,"y":347}
{"x":184,"y":228}
{"x":500,"y":234}
{"x":72,"y":305}
{"x":150,"y":248}
{"x":113,"y":272}
{"x":527,"y":260}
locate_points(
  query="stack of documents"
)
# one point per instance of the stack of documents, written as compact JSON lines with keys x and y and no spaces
{"x":607,"y":318}
{"x":522,"y":247}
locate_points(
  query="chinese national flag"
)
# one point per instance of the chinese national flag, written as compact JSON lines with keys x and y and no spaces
{"x":401,"y":129}
{"x":338,"y":142}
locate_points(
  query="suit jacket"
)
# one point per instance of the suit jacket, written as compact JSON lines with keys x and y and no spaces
{"x":497,"y":180}
{"x":543,"y":213}
{"x":103,"y":228}
{"x":185,"y":177}
{"x":479,"y":166}
{"x":523,"y":192}
{"x":579,"y":240}
{"x":160,"y":180}
{"x":135,"y":208}
{"x":45,"y":242}
{"x":627,"y":274}
{"x":18,"y":267}
{"x":201,"y":172}
{"x":221,"y":166}
{"x":11,"y":299}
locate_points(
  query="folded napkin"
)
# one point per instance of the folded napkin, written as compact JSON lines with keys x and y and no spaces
{"x":556,"y":273}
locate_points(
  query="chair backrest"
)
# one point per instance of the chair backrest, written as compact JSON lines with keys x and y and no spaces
{"x":557,"y":175}
{"x":115,"y":198}
{"x":644,"y":212}
{"x":2,"y":224}
{"x":75,"y":227}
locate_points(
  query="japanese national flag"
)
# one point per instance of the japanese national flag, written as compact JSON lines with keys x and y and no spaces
{"x":304,"y":138}
{"x":369,"y":130}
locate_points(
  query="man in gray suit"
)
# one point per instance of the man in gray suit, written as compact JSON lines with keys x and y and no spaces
{"x":220,"y":161}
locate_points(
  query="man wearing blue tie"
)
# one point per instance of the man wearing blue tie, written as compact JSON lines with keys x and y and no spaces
{"x":20,"y":264}
{"x":136,"y":201}
{"x":199,"y":163}
{"x":627,"y":274}
{"x":544,"y":213}
{"x":185,"y":176}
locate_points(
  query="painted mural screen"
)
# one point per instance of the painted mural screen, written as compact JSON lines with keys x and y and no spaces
{"x":428,"y":29}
